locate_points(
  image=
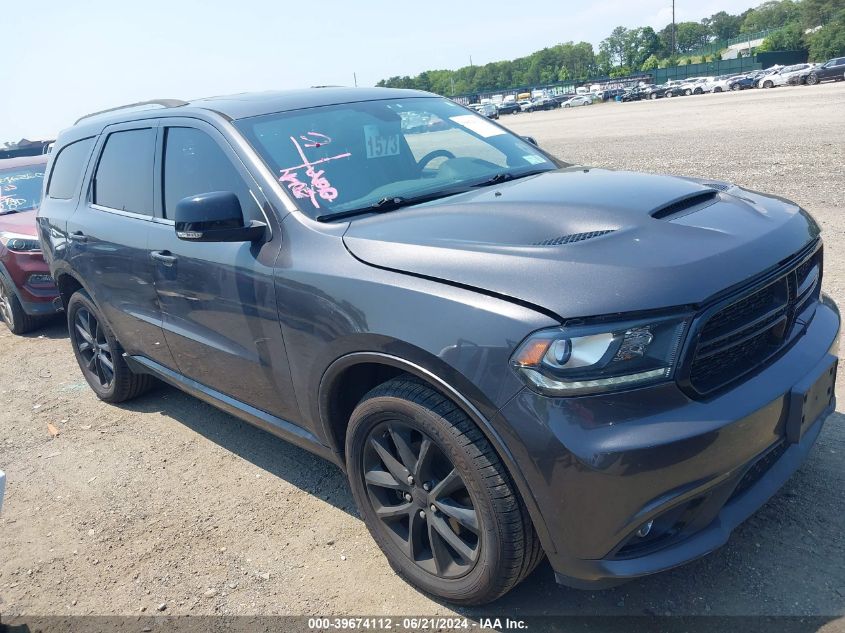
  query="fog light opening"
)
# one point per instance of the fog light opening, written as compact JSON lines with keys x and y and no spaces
{"x":645,"y":529}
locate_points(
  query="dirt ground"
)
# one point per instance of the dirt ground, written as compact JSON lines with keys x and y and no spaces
{"x":166,"y":503}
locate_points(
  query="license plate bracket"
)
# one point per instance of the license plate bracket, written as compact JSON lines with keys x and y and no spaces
{"x":809,"y":399}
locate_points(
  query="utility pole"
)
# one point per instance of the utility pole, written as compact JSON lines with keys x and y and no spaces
{"x":470,"y":61}
{"x":355,"y":79}
{"x":673,"y":29}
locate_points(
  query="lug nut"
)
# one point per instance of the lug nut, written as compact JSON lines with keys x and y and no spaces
{"x":433,"y":508}
{"x":422,"y":514}
{"x":426,"y":486}
{"x":411,"y":479}
{"x":408,"y":497}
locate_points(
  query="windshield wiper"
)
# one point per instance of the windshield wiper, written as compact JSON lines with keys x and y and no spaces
{"x":390,"y":203}
{"x":504,"y":176}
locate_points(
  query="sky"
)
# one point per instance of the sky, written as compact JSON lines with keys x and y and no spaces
{"x":63,"y":59}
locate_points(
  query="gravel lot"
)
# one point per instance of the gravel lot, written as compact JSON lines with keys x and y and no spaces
{"x":168,"y":503}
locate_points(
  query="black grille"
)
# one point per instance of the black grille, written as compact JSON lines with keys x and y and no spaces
{"x":751,"y":329}
{"x":574,"y":237}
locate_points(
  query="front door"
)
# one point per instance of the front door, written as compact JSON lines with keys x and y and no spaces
{"x":218,"y":299}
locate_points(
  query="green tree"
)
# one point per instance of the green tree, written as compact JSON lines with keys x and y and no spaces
{"x":771,"y":15}
{"x":828,"y":41}
{"x":650,"y":64}
{"x":614,"y":46}
{"x":691,"y":36}
{"x":789,"y":38}
{"x":723,"y":25}
{"x":819,"y":12}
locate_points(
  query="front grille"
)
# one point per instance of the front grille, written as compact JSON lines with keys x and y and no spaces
{"x":752,"y":328}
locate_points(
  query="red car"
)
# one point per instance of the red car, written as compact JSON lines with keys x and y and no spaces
{"x":27,"y":291}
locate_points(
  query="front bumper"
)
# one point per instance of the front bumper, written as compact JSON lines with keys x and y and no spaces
{"x":601,"y":467}
{"x":17,"y":271}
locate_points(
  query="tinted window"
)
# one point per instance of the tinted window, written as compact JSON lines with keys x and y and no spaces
{"x":68,"y":167}
{"x":124,"y":177}
{"x":193,"y":164}
{"x":20,"y":189}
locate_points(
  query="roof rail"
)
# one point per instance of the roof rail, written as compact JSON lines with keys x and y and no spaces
{"x":164,"y":103}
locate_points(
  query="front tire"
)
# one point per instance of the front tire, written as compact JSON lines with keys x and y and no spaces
{"x":812,"y":79}
{"x":99,"y":355}
{"x":768,"y":84}
{"x":435,"y":496}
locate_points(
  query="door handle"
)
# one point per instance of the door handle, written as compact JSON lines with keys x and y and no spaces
{"x":78,"y":236}
{"x":164,"y":257}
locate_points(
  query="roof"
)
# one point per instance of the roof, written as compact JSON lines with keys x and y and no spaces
{"x":257,"y":103}
{"x":23,"y":161}
{"x":240,"y":106}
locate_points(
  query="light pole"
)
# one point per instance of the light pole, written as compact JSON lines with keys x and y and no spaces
{"x":672,"y":53}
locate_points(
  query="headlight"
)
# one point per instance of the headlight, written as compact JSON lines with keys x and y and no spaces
{"x":583,"y":359}
{"x":20,"y":243}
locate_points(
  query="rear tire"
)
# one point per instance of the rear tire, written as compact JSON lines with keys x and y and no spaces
{"x":12,"y":312}
{"x":491,"y":548}
{"x":99,"y":354}
{"x":736,"y":87}
{"x":768,"y":84}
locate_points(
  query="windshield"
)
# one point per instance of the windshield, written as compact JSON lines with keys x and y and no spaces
{"x":348,"y":157}
{"x":20,"y":189}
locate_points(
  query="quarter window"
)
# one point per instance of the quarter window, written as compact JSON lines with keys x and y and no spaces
{"x":67,"y":169}
{"x":124,"y":178}
{"x":194,"y":164}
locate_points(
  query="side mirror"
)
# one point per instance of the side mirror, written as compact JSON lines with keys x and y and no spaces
{"x":531,"y":140}
{"x":214,"y":217}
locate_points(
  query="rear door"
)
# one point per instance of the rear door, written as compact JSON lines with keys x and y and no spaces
{"x":108,"y":238}
{"x":218,"y":299}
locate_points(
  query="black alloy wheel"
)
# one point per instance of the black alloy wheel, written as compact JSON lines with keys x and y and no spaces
{"x":421,"y":500}
{"x":97,"y":357}
{"x":812,"y":79}
{"x":435,"y":496}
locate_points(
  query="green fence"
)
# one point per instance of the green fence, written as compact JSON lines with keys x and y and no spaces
{"x":724,"y":67}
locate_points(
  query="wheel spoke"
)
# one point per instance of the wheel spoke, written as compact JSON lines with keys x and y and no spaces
{"x":106,"y":363}
{"x":84,"y":334}
{"x":390,"y":462}
{"x":464,"y":551}
{"x":403,"y":447}
{"x":416,"y":527}
{"x":462,"y":514}
{"x":449,"y":484}
{"x":439,"y":553}
{"x":422,"y":460}
{"x":383,"y":479}
{"x":391,"y":513}
{"x":91,"y":363}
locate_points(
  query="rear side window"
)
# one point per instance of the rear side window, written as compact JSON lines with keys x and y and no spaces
{"x":124,"y":178}
{"x":68,"y":167}
{"x":193,"y":164}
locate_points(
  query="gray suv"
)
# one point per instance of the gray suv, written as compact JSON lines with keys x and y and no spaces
{"x":511,"y":357}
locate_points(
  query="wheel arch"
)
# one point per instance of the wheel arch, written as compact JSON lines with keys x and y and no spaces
{"x":351,"y":376}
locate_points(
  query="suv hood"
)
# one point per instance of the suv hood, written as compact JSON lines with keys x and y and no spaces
{"x":584,"y":242}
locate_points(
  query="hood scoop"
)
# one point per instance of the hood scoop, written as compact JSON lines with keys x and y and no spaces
{"x":685,"y":205}
{"x":572,"y":238}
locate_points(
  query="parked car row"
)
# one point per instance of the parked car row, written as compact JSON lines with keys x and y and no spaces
{"x":796,"y":74}
{"x":493,"y":110}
